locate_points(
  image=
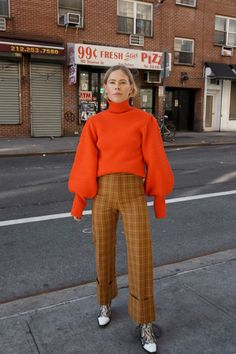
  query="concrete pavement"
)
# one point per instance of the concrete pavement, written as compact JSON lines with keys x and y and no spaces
{"x":40,"y":146}
{"x":196,"y":310}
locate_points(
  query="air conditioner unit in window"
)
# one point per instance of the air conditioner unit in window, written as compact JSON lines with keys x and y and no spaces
{"x":152,"y":77}
{"x":2,"y":24}
{"x":227,"y":51}
{"x":135,"y":39}
{"x":72,"y":19}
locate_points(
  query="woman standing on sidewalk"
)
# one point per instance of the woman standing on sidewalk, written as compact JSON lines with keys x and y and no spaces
{"x":119,"y":159}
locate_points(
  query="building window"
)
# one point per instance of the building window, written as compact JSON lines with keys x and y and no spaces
{"x":4,"y":8}
{"x":183,"y":51}
{"x":191,"y":3}
{"x":225,"y":31}
{"x":135,"y":17}
{"x":70,"y":7}
{"x":232,"y":113}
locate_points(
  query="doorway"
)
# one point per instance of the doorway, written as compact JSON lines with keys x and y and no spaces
{"x":179,"y":107}
{"x":91,"y":93}
{"x":212,"y":115}
{"x":147,"y":100}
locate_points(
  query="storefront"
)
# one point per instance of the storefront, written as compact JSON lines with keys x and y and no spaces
{"x":31,"y":90}
{"x":88,"y":63}
{"x":220,"y":97}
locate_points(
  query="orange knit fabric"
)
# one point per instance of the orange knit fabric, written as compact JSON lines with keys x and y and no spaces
{"x":121,"y":139}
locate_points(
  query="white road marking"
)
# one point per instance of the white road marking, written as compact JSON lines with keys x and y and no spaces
{"x":89,"y":212}
{"x":225,"y":178}
{"x":195,"y":197}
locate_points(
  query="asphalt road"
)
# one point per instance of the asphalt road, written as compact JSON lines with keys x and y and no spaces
{"x":54,"y":254}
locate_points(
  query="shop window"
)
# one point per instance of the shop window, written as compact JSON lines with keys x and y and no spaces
{"x":73,"y":11}
{"x":232,"y":113}
{"x":4,"y":8}
{"x":225,"y":31}
{"x":183,"y":51}
{"x":191,"y":3}
{"x":135,"y":17}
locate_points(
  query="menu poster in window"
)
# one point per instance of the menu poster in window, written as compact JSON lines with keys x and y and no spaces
{"x":87,"y":109}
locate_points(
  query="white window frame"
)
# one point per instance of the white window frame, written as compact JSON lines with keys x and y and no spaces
{"x":227,"y":30}
{"x":193,"y":48}
{"x":135,"y":15}
{"x":70,"y":10}
{"x":8,"y":15}
{"x":179,"y":2}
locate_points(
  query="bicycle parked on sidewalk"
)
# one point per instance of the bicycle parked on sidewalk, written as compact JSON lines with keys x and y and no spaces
{"x":168,"y":129}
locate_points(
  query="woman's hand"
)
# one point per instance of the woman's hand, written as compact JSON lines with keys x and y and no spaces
{"x":77,"y":219}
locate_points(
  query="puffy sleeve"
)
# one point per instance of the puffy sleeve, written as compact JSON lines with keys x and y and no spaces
{"x":159,"y":179}
{"x":83,"y":175}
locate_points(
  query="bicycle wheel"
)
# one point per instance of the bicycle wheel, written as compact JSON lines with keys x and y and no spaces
{"x":169,"y":131}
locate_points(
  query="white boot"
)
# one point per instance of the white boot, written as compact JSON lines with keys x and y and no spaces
{"x":104,"y":315}
{"x":148,"y":339}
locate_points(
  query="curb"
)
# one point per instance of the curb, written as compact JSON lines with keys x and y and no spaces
{"x":64,"y":152}
{"x":42,"y":302}
{"x":37,"y":153}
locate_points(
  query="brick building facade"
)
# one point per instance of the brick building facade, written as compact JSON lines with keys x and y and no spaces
{"x":53,"y":55}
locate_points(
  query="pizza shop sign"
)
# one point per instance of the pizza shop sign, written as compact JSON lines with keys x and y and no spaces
{"x":85,"y":54}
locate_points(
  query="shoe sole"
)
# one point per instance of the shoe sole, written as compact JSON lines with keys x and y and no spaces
{"x":148,"y":351}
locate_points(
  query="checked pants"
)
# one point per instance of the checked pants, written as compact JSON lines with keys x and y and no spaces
{"x":124,"y":193}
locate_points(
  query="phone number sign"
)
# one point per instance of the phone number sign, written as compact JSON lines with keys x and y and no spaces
{"x":84,"y":54}
{"x":30,"y":49}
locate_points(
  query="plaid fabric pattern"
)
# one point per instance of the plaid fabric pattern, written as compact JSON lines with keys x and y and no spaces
{"x":124,"y":193}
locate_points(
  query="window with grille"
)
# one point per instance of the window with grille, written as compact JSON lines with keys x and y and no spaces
{"x":183,"y":51}
{"x":225,"y":31}
{"x":69,"y":6}
{"x":135,"y":17}
{"x":191,"y":3}
{"x":4,"y":8}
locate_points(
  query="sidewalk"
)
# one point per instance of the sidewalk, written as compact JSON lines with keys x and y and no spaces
{"x":196,"y":308}
{"x":39,"y":146}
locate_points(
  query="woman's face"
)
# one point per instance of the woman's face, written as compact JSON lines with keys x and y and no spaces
{"x":118,"y":87}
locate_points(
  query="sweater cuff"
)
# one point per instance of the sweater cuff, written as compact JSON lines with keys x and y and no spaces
{"x":78,"y":206}
{"x":160,"y":207}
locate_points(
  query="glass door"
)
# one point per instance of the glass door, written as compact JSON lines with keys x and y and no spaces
{"x":91,"y":94}
{"x":147,"y":101}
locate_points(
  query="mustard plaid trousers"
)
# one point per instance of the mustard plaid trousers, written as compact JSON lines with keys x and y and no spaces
{"x":124,"y":193}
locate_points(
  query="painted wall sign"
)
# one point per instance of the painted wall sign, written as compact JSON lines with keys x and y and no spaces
{"x":72,"y":74}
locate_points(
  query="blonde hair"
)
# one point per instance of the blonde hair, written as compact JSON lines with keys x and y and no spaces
{"x":127,"y":72}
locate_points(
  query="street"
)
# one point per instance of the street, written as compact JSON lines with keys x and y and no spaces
{"x":37,"y":257}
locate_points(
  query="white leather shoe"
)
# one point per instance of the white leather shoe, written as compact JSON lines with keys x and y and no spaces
{"x":148,"y":339}
{"x":104,"y":315}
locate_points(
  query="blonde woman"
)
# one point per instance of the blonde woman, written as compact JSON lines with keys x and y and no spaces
{"x":119,"y":160}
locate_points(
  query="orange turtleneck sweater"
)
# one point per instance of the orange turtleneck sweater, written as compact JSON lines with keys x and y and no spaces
{"x":121,"y":139}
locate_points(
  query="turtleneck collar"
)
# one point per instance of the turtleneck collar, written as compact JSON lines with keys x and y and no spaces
{"x":120,"y":107}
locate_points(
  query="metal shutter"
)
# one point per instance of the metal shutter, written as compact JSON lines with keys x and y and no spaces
{"x":9,"y":92}
{"x":46,"y":99}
